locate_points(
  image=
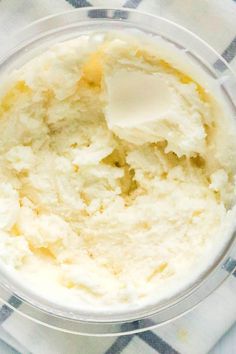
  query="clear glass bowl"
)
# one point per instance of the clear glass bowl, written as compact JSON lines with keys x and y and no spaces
{"x":36,"y":38}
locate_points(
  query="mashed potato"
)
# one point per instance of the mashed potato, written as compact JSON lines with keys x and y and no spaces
{"x":117,"y":164}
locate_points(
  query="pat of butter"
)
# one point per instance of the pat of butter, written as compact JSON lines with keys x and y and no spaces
{"x":136,"y":98}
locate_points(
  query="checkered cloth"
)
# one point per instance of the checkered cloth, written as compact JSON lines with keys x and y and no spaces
{"x":199,"y":330}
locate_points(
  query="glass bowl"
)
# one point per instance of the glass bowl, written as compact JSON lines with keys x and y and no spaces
{"x":33,"y":40}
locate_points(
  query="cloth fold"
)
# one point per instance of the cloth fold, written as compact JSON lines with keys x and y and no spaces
{"x":197,"y":331}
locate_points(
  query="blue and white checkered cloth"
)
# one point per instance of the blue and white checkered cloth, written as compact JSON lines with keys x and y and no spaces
{"x":197,"y":331}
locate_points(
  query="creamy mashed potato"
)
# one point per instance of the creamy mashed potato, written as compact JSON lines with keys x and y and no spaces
{"x":117,"y":164}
